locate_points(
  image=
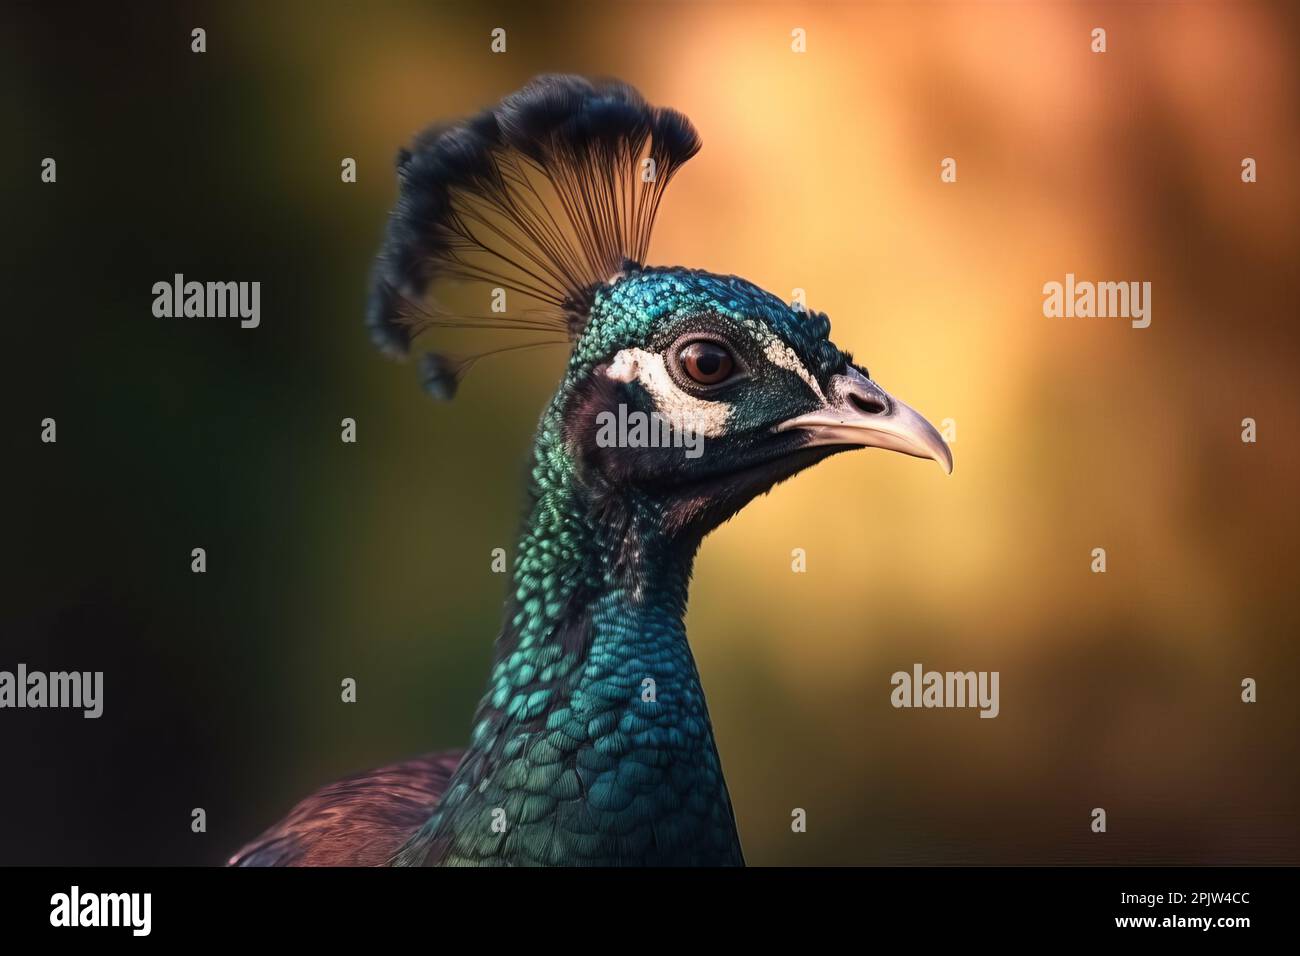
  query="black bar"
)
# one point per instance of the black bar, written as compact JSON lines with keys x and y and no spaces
{"x":987,"y":904}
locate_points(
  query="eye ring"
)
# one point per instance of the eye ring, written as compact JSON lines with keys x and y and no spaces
{"x":703,"y":362}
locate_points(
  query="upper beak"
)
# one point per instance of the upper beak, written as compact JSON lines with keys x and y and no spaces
{"x":860,"y":412}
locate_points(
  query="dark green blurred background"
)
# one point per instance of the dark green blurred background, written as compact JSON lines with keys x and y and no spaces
{"x":819,"y":171}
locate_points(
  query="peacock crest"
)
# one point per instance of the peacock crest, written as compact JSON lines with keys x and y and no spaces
{"x":549,"y":195}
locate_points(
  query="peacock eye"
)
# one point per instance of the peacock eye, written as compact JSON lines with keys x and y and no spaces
{"x":706,"y":363}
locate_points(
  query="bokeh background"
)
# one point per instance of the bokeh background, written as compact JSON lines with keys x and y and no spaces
{"x":819,"y":171}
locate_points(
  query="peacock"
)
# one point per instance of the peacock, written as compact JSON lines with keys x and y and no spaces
{"x":592,"y":743}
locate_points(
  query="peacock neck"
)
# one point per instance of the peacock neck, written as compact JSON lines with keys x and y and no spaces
{"x":592,"y":744}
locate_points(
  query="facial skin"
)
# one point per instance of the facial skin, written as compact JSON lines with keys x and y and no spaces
{"x":758,"y":382}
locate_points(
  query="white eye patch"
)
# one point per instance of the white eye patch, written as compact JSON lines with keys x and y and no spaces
{"x":647,"y":368}
{"x":782,"y":356}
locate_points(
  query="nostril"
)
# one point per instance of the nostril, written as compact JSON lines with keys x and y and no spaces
{"x":867,"y":403}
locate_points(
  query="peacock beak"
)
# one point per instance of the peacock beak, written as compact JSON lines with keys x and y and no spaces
{"x":859,"y":412}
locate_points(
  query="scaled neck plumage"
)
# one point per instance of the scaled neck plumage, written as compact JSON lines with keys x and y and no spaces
{"x":592,"y":744}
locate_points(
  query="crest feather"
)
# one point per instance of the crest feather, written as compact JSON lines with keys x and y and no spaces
{"x":549,"y":194}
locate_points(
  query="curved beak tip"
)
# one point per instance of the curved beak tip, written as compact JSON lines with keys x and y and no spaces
{"x":945,"y":459}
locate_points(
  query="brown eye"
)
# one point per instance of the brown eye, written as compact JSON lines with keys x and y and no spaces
{"x":707,"y":362}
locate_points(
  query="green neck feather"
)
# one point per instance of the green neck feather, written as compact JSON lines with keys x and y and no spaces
{"x":592,"y":744}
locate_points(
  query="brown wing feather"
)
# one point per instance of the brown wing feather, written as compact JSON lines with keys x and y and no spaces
{"x":358,"y":821}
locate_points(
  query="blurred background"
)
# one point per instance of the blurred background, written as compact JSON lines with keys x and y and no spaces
{"x":819,"y":171}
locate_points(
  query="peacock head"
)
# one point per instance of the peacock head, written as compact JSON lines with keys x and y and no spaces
{"x":700,"y":391}
{"x":687,"y":393}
